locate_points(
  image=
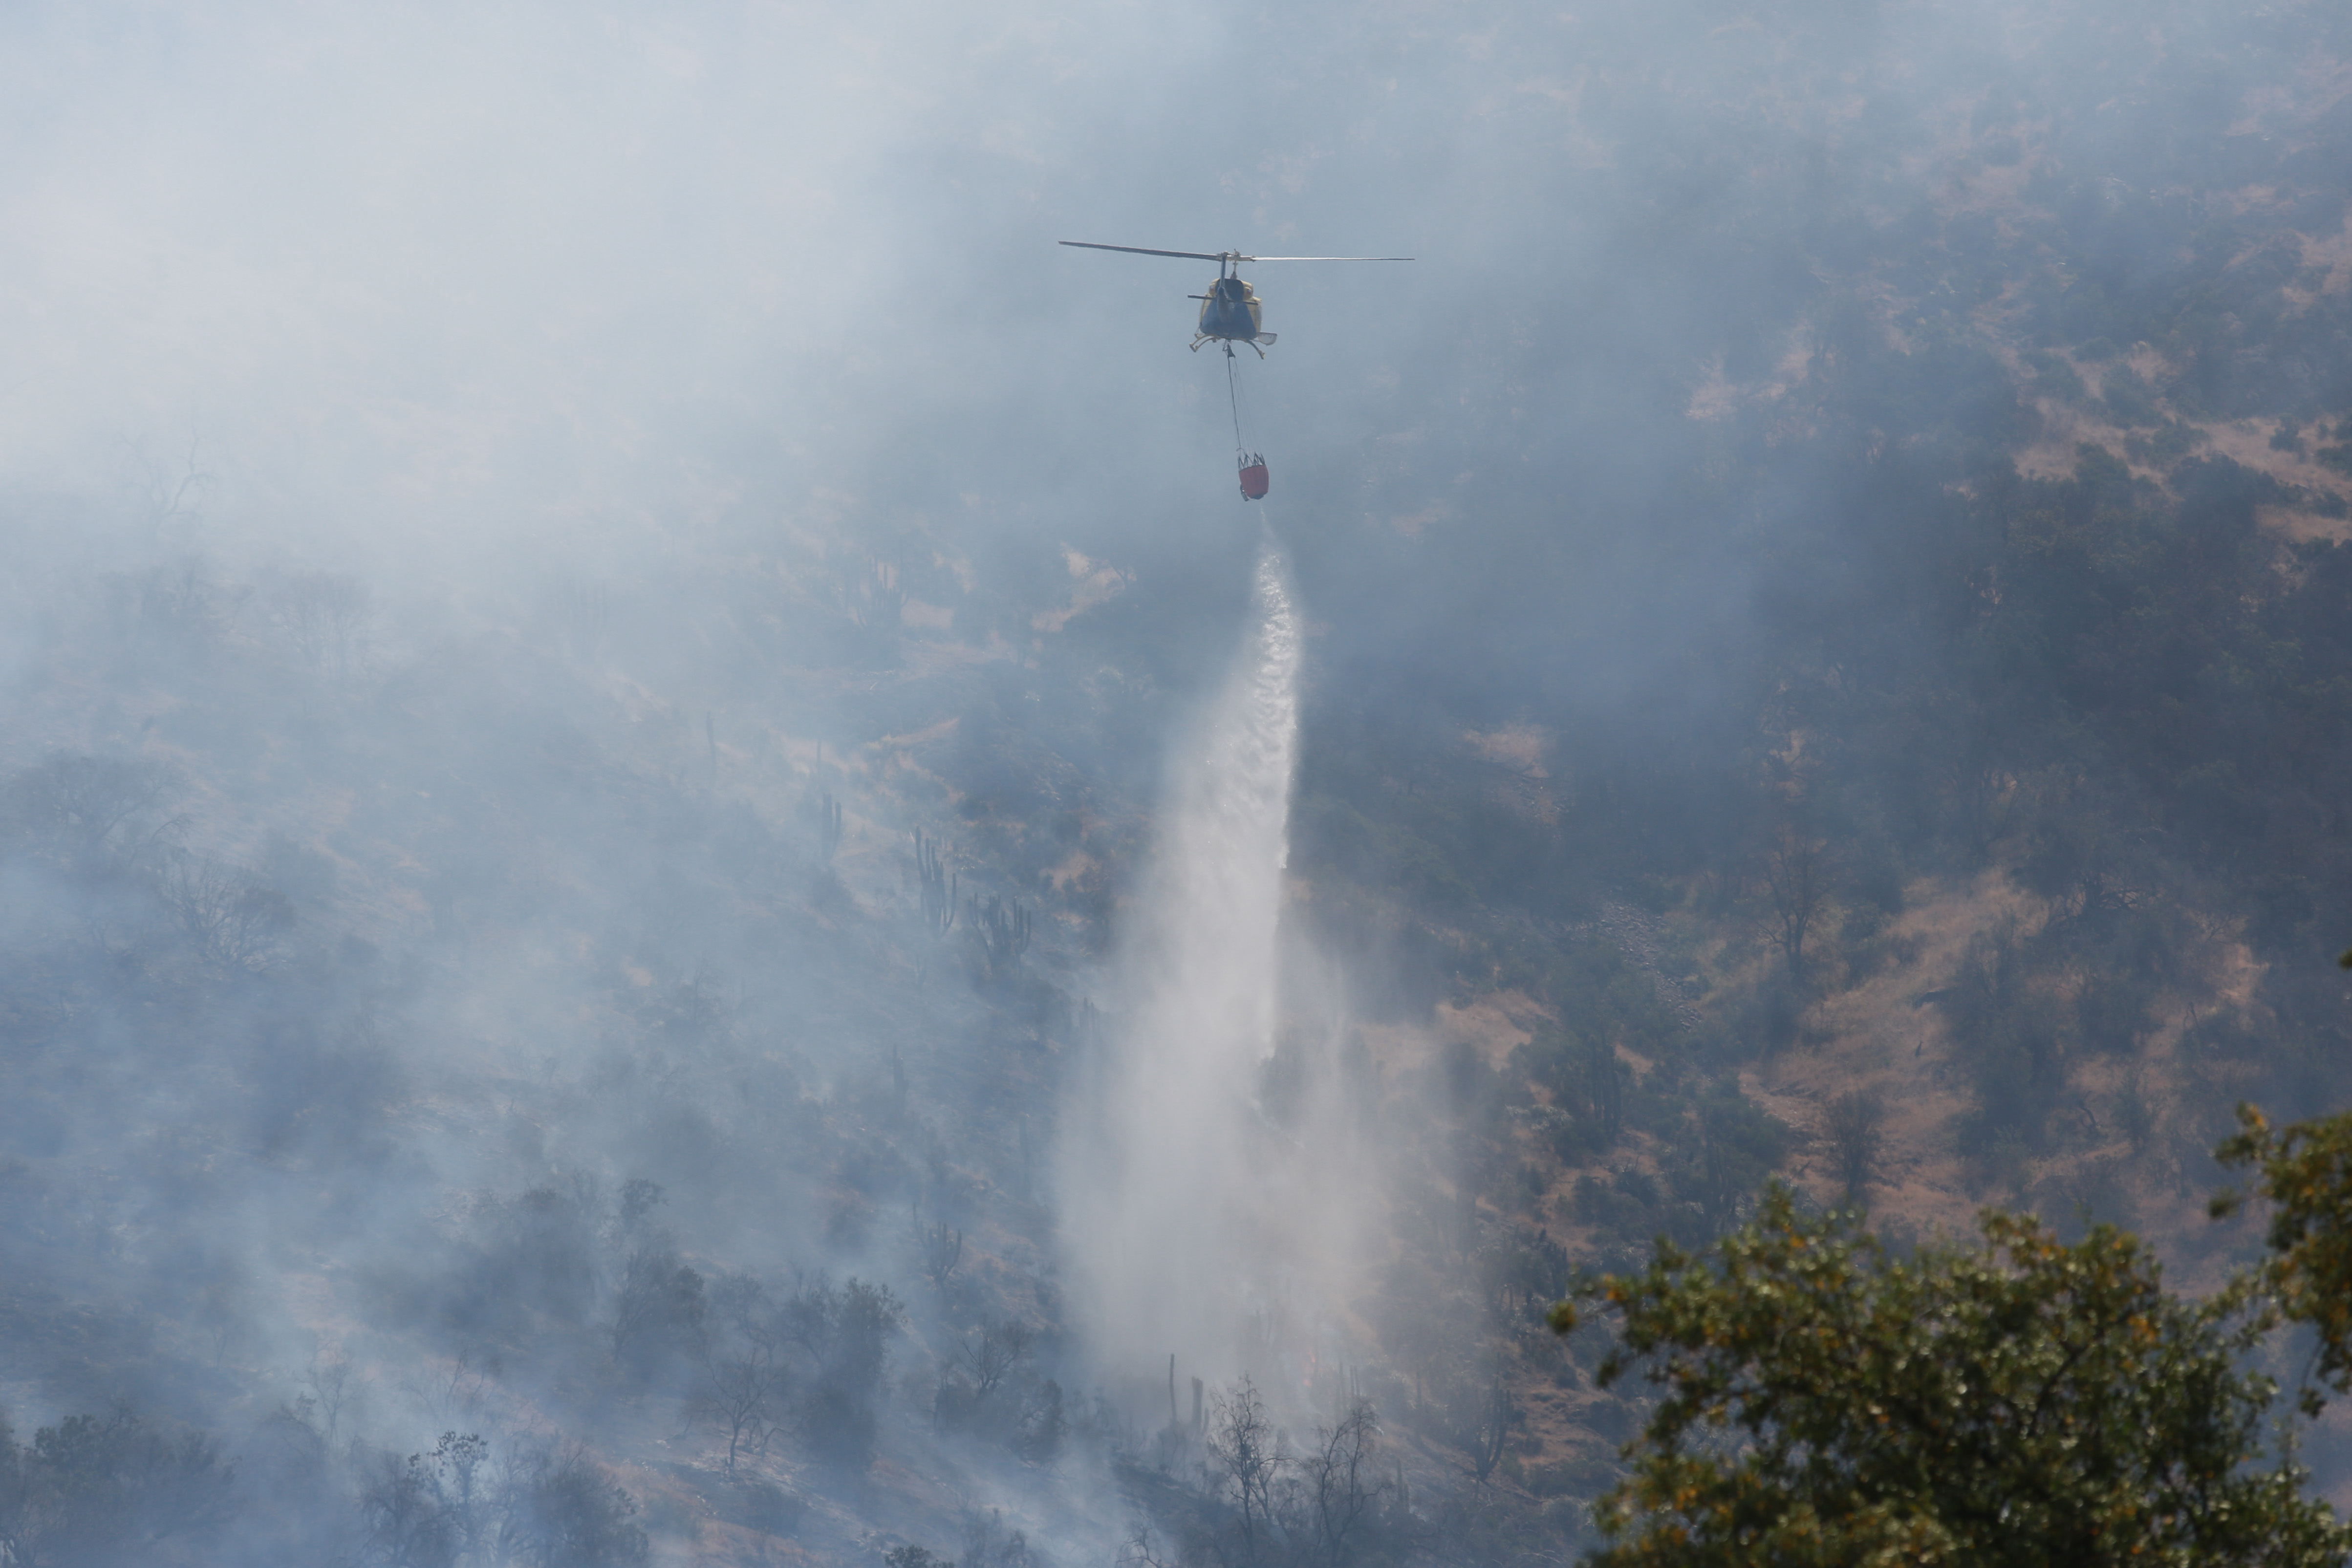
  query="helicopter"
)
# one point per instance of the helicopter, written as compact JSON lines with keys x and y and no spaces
{"x":1232,"y":312}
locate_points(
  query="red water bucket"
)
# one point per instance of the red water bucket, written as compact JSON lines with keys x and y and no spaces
{"x":1253,"y":479}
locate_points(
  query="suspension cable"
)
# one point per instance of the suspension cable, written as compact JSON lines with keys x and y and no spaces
{"x":1233,"y":396}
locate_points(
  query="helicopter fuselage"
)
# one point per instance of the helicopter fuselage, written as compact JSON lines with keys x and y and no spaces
{"x":1230,"y":311}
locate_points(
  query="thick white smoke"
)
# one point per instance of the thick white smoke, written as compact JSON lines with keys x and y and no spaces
{"x":1211,"y":1190}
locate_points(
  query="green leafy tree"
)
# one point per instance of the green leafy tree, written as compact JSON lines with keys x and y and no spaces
{"x":2021,"y":1401}
{"x":2306,"y":1171}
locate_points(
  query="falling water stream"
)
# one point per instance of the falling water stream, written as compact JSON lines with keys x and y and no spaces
{"x":1198,"y":1221}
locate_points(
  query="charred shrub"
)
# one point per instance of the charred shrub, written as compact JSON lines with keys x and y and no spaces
{"x":843,"y":1337}
{"x":528,"y":1260}
{"x":106,"y":1491}
{"x":92,"y":817}
{"x":658,"y":1310}
{"x":559,"y":1511}
{"x":428,"y":1511}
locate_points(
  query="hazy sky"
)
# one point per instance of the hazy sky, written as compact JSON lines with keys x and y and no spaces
{"x":445,"y":290}
{"x":425,"y":269}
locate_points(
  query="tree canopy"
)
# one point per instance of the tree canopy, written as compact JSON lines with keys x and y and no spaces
{"x":2017,"y":1398}
{"x":2305,"y":1173}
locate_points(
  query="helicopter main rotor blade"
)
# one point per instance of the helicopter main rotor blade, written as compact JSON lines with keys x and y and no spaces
{"x":1138,"y":250}
{"x":1322,"y":258}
